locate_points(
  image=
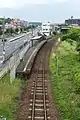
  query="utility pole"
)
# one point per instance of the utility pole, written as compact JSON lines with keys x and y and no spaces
{"x":56,"y":64}
{"x":72,"y":21}
{"x":3,"y":39}
{"x":32,"y":29}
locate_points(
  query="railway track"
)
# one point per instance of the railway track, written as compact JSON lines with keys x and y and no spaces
{"x":39,"y":100}
{"x":39,"y":103}
{"x":36,"y":100}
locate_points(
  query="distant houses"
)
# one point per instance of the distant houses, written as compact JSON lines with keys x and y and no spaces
{"x":13,"y":23}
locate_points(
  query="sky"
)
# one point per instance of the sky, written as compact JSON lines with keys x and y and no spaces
{"x":40,"y":10}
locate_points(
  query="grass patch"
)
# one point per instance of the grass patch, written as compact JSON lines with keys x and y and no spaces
{"x":66,"y":84}
{"x":9,"y":96}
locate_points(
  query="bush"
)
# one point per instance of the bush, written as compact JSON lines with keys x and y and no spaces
{"x":66,"y":85}
{"x":73,"y":34}
{"x":69,"y":40}
{"x":77,"y":81}
{"x":78,"y":49}
{"x":54,"y":33}
{"x":64,"y":37}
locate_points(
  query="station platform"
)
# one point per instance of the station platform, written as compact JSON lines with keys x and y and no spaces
{"x":25,"y":65}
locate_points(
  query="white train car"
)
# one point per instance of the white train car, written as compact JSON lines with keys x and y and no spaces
{"x":46,"y":28}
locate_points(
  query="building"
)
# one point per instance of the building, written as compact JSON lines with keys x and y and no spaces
{"x":35,"y":23}
{"x":13,"y":23}
{"x":24,"y":23}
{"x":72,"y":21}
{"x":46,"y":28}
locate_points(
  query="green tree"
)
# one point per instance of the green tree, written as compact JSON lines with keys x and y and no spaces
{"x":1,"y":22}
{"x":17,"y":30}
{"x":21,"y":29}
{"x":0,"y":32}
{"x":11,"y":30}
{"x":73,"y":34}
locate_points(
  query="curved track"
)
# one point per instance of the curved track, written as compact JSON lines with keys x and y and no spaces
{"x":38,"y":94}
{"x":39,"y":106}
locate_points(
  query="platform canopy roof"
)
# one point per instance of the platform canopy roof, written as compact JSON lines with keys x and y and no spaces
{"x":36,"y":38}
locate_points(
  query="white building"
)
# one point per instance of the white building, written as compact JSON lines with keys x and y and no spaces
{"x":46,"y":28}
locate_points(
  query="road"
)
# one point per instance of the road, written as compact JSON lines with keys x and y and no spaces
{"x":10,"y":47}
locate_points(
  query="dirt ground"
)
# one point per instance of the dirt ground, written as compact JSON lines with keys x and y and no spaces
{"x":23,"y":109}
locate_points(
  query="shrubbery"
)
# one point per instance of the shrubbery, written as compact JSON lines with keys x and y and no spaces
{"x":66,"y":84}
{"x":76,"y":72}
{"x":69,"y":40}
{"x":73,"y":35}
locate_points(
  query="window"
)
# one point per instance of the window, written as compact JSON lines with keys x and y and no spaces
{"x":44,"y":25}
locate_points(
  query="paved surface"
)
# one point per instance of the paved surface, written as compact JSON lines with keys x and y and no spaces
{"x":25,"y":59}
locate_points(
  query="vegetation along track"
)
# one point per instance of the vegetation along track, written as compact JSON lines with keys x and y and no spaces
{"x":36,"y":101}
